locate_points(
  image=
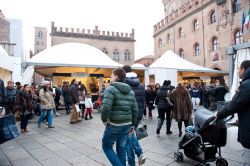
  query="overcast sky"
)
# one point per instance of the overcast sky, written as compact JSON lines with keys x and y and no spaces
{"x":109,"y":15}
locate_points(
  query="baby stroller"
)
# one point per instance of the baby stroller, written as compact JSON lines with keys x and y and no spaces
{"x":203,"y":142}
{"x":98,"y":103}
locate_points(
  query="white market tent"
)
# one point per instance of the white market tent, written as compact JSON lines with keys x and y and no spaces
{"x":72,"y":59}
{"x":6,"y":62}
{"x":170,"y":65}
{"x":6,"y":65}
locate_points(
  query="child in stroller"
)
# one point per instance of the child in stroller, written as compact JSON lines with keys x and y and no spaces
{"x":98,"y":103}
{"x":204,"y":140}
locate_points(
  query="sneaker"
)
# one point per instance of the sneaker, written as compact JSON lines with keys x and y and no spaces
{"x":51,"y":126}
{"x":39,"y":125}
{"x":57,"y":114}
{"x":142,"y":159}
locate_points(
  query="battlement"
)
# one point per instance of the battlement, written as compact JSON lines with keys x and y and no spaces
{"x":184,"y":10}
{"x":95,"y":33}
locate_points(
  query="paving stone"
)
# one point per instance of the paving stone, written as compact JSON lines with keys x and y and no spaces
{"x":86,"y":150}
{"x":161,"y":159}
{"x":67,"y":153}
{"x":74,"y":144}
{"x":16,"y":153}
{"x":55,"y":162}
{"x":25,"y":140}
{"x":26,"y":162}
{"x":32,"y":145}
{"x":4,"y":160}
{"x":42,"y":154}
{"x":44,"y":139}
{"x":84,"y":161}
{"x":101,"y":158}
{"x":54,"y":146}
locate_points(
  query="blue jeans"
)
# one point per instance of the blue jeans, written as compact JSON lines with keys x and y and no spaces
{"x":118,"y":135}
{"x":43,"y":114}
{"x":133,"y":147}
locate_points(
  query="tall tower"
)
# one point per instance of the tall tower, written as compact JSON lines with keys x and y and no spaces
{"x":40,"y":39}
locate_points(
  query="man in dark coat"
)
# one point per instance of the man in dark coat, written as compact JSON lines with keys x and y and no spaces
{"x":10,"y":97}
{"x":240,"y":104}
{"x":133,"y":145}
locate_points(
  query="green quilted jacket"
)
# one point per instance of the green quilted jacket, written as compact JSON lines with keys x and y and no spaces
{"x":119,"y":104}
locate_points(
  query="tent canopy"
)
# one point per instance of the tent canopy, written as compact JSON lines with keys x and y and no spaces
{"x":6,"y":62}
{"x":169,"y":60}
{"x":72,"y":57}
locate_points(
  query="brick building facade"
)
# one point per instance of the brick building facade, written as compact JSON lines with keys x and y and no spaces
{"x":146,"y":61}
{"x":118,"y":46}
{"x":201,"y":30}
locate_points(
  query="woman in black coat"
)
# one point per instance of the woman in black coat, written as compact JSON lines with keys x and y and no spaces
{"x":240,"y":104}
{"x":66,"y":96}
{"x":24,"y":106}
{"x":164,"y":106}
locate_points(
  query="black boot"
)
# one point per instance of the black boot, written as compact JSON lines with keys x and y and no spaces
{"x":168,"y":128}
{"x":160,"y":122}
{"x":180,"y":126}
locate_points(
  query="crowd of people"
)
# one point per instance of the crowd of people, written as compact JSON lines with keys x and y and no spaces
{"x":124,"y":104}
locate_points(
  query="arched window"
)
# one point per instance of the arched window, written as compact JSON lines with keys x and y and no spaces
{"x":127,"y":55}
{"x":196,"y":25}
{"x":181,"y":53}
{"x":116,"y":56}
{"x":104,"y":50}
{"x":212,"y":17}
{"x":169,"y":38}
{"x":181,"y":33}
{"x":215,"y":44}
{"x":160,"y":43}
{"x":196,"y":49}
{"x":236,"y":6}
{"x":238,"y":39}
{"x":40,"y":34}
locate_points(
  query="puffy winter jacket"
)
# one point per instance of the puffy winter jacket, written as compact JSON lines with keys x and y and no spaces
{"x":119,"y":104}
{"x":139,"y":90}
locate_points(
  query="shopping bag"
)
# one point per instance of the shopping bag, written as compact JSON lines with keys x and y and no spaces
{"x":141,"y":131}
{"x":8,"y":129}
{"x":77,"y":108}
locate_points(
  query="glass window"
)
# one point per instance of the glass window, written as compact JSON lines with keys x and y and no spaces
{"x":238,"y":38}
{"x":181,"y":33}
{"x":181,"y":53}
{"x":215,"y":44}
{"x":169,"y":38}
{"x":212,"y":17}
{"x":127,"y":55}
{"x":236,"y":6}
{"x":160,"y":43}
{"x":104,"y":50}
{"x":196,"y":49}
{"x":196,"y":25}
{"x":116,"y":56}
{"x":40,"y":34}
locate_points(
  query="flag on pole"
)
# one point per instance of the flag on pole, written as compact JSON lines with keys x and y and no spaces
{"x":242,"y":22}
{"x":247,"y":19}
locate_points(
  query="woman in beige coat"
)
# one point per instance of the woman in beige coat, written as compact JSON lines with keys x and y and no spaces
{"x":47,"y":103}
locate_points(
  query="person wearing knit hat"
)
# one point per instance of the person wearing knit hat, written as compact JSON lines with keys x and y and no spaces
{"x":47,"y":103}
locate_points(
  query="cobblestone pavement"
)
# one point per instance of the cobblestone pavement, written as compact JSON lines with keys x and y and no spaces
{"x":80,"y":145}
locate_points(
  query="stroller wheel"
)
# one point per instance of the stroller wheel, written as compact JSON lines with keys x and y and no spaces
{"x":178,"y":156}
{"x":221,"y":162}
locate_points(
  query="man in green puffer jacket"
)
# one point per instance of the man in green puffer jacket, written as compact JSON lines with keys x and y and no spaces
{"x":119,"y":115}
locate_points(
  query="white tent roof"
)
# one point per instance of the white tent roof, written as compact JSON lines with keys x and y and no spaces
{"x":6,"y":62}
{"x":170,"y":60}
{"x":73,"y":55}
{"x":138,"y":66}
